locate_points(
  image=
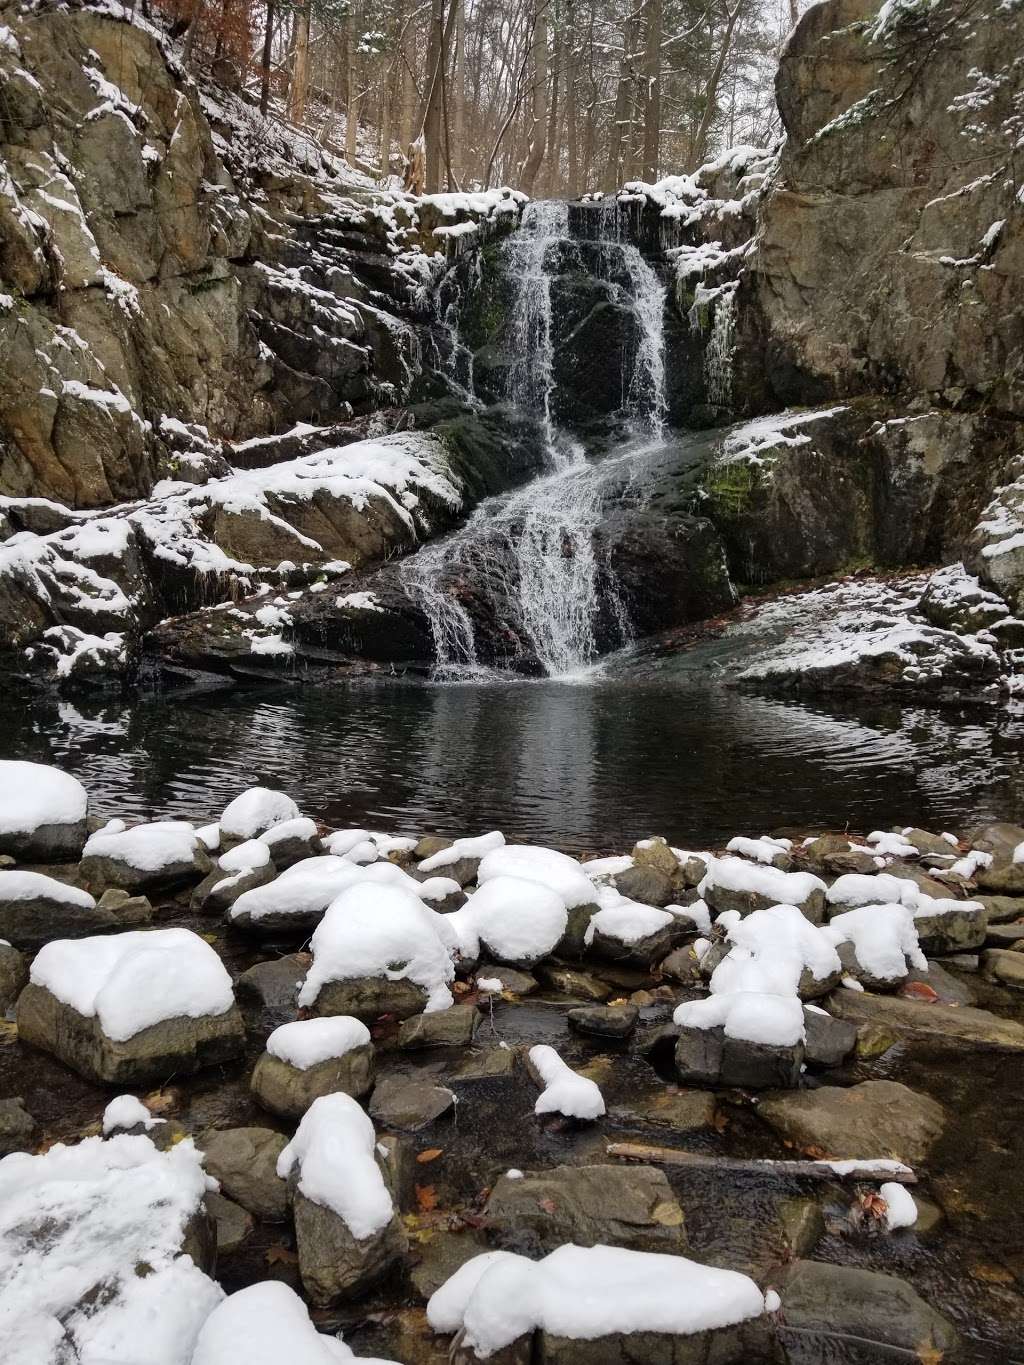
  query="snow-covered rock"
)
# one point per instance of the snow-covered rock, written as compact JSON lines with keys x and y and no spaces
{"x":145,"y":856}
{"x":266,"y":1324}
{"x":736,"y":884}
{"x":290,"y":841}
{"x":42,"y":812}
{"x":35,"y":908}
{"x":461,"y":860}
{"x":549,"y":868}
{"x":242,"y":868}
{"x":98,"y":1259}
{"x":346,"y":1227}
{"x":127,"y":1111}
{"x":131,"y":1006}
{"x":310,"y":1058}
{"x":565,"y":1091}
{"x":777,"y":951}
{"x":255,"y":811}
{"x":514,"y":921}
{"x":295,"y":901}
{"x":884,"y":944}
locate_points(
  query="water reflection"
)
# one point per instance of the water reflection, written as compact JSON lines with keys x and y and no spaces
{"x":583,"y":767}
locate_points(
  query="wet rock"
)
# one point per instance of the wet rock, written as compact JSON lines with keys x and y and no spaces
{"x":1000,"y":839}
{"x":961,"y":1026}
{"x":273,"y":986}
{"x":368,"y":997}
{"x":576,"y":985}
{"x":16,"y":1127}
{"x":173,"y":1046}
{"x":682,"y":1111}
{"x":611,"y":1021}
{"x":828,"y":1041}
{"x":219,"y":890}
{"x":873,"y":1119}
{"x":453,"y":1027}
{"x":244,"y":1160}
{"x":649,"y":885}
{"x":13,"y":976}
{"x":290,"y":1090}
{"x":333,"y":1263}
{"x":1003,"y":966}
{"x":234,"y":1224}
{"x":862,"y":1305}
{"x":1004,"y":935}
{"x":952,"y":931}
{"x":803,"y":1225}
{"x":705,"y":1056}
{"x":949,"y":988}
{"x":35,"y":908}
{"x":405,"y":1103}
{"x":1002,"y":880}
{"x":626,"y":1206}
{"x":491,"y":1064}
{"x":1001,"y":908}
{"x":513,"y":981}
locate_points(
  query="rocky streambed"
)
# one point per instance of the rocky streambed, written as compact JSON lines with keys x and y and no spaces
{"x":790,"y":1067}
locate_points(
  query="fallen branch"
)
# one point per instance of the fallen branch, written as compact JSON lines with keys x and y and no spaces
{"x":882,"y":1169}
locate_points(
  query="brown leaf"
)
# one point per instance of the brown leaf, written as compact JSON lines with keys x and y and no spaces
{"x":430,"y":1154}
{"x":426,"y":1197}
{"x":281,"y":1255}
{"x":548,"y":1205}
{"x":918,"y":990}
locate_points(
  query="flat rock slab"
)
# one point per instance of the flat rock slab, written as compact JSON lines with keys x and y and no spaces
{"x":604,"y":1021}
{"x":491,"y":1064}
{"x":409,"y":1104}
{"x":959,"y":1025}
{"x":453,"y":1027}
{"x":682,"y":1111}
{"x":1003,"y":966}
{"x":873,"y":1119}
{"x":577,"y":985}
{"x":626,"y":1206}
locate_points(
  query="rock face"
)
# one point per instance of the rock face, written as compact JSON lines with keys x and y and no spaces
{"x":873,"y":1119}
{"x":244,"y":1160}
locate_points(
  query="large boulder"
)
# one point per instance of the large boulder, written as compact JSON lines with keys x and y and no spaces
{"x":161,"y":854}
{"x":244,"y":1160}
{"x":35,"y":908}
{"x":310,"y":1058}
{"x":43,"y":812}
{"x":942,"y":1025}
{"x":869,"y":1120}
{"x":131,"y":1007}
{"x":13,"y":975}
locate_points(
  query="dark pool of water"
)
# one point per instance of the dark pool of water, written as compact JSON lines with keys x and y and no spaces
{"x":585,"y":767}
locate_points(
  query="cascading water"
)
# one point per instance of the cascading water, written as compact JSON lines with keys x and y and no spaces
{"x":530,"y":554}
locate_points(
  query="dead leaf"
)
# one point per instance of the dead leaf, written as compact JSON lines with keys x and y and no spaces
{"x":281,"y":1255}
{"x":918,"y":990}
{"x":548,"y":1205}
{"x":426,"y":1197}
{"x":990,"y":1274}
{"x":161,"y":1101}
{"x":430,"y":1154}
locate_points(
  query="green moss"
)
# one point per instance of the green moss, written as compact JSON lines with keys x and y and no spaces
{"x":730,"y":486}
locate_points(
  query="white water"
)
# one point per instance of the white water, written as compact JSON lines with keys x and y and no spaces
{"x":530,"y":554}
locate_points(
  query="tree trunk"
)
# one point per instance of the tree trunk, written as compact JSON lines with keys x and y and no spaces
{"x":433,"y":106}
{"x":652,"y":91}
{"x":539,"y":124}
{"x":458,"y":152}
{"x":300,"y":69}
{"x":268,"y":52}
{"x":621,"y":113}
{"x":351,"y":93}
{"x":700,"y":138}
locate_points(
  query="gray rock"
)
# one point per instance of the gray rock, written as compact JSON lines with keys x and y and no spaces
{"x":803,"y":1225}
{"x":956,"y":1027}
{"x":174,"y":1046}
{"x":16,"y":1127}
{"x":999,"y":839}
{"x":831,"y":853}
{"x":234,"y":1224}
{"x":647,"y":884}
{"x":408,"y":1104}
{"x":682,"y":1111}
{"x":13,"y":976}
{"x":53,"y":910}
{"x":605,"y":1021}
{"x":873,"y":1119}
{"x":368,"y":997}
{"x":490,"y":1065}
{"x":1003,"y":966}
{"x":1006,"y":879}
{"x":953,"y":931}
{"x":949,"y":988}
{"x":626,"y":1206}
{"x":1001,"y":908}
{"x":244,"y":1160}
{"x":288,"y":849}
{"x":828,"y":1041}
{"x":643,"y":952}
{"x":219,"y":890}
{"x":273,"y":986}
{"x":865,"y":1306}
{"x":430,"y":844}
{"x":453,"y":1027}
{"x":333,"y":1264}
{"x":513,"y":981}
{"x":129,"y":911}
{"x":1004,"y":935}
{"x":721,"y":899}
{"x":683,"y":965}
{"x":742,"y":1344}
{"x":577,"y":985}
{"x":289,"y":1091}
{"x":708,"y":1057}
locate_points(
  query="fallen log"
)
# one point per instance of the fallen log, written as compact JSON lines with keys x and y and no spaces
{"x":879,"y":1170}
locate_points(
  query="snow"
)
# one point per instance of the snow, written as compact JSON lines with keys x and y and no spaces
{"x":771,"y":949}
{"x":27,"y":886}
{"x":627,"y":921}
{"x":762,"y":850}
{"x":355,"y":845}
{"x":255,"y":811}
{"x":106,"y":1207}
{"x":380,"y":931}
{"x":607,"y":867}
{"x":437,"y":888}
{"x":306,"y":1042}
{"x":877,"y":1164}
{"x":265,"y":1324}
{"x":245,"y":857}
{"x":901,"y":1211}
{"x":1018,"y":853}
{"x":126,"y":1112}
{"x":751,"y":442}
{"x":884,"y":939}
{"x":334,"y":1149}
{"x":774,"y":1020}
{"x":736,"y":874}
{"x":890,"y":845}
{"x":147,"y":848}
{"x":476,"y":847}
{"x":557,"y":871}
{"x":565,"y":1091}
{"x":34,"y":794}
{"x":305,"y":888}
{"x":858,"y":888}
{"x":584,"y":1293}
{"x":131,"y":981}
{"x":698,"y":912}
{"x":358,"y":601}
{"x":519,"y":920}
{"x":301,"y":827}
{"x":490,"y":985}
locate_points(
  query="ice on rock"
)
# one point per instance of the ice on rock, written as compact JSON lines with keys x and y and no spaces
{"x":307,"y":1042}
{"x":772,"y":1020}
{"x":255,"y":811}
{"x":76,"y":1223}
{"x":265,"y":1324}
{"x":884,"y":939}
{"x":901,"y":1210}
{"x":127,"y":1112}
{"x":130,"y":981}
{"x":518,"y":920}
{"x":565,"y":1091}
{"x":854,"y":889}
{"x":584,"y":1293}
{"x":35,"y":795}
{"x":334,"y":1150}
{"x":374,"y":930}
{"x":557,"y":871}
{"x":477,"y":847}
{"x":147,"y":848}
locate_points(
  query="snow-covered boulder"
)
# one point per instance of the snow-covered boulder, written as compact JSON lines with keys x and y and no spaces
{"x":254,"y":812}
{"x":292,"y":840}
{"x":632,"y":933}
{"x":35,"y":909}
{"x":310,"y":1058}
{"x":103,"y":1249}
{"x":777,"y":951}
{"x":949,"y":926}
{"x":294,"y":903}
{"x":13,"y":975}
{"x":266,"y":1324}
{"x":461,"y":859}
{"x":240,"y":869}
{"x":555,"y":872}
{"x":511,"y":920}
{"x":740,"y":1038}
{"x":593,"y":1305}
{"x":736,"y":884}
{"x":42,"y":812}
{"x":378,"y":950}
{"x":346,"y":1227}
{"x":877,"y":944}
{"x":564,"y":1091}
{"x":131,"y":1007}
{"x":159,"y":854}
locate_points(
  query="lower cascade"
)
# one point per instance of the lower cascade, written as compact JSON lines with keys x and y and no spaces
{"x":530,"y":555}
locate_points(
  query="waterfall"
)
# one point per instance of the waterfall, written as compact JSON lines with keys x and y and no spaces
{"x":527,"y":560}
